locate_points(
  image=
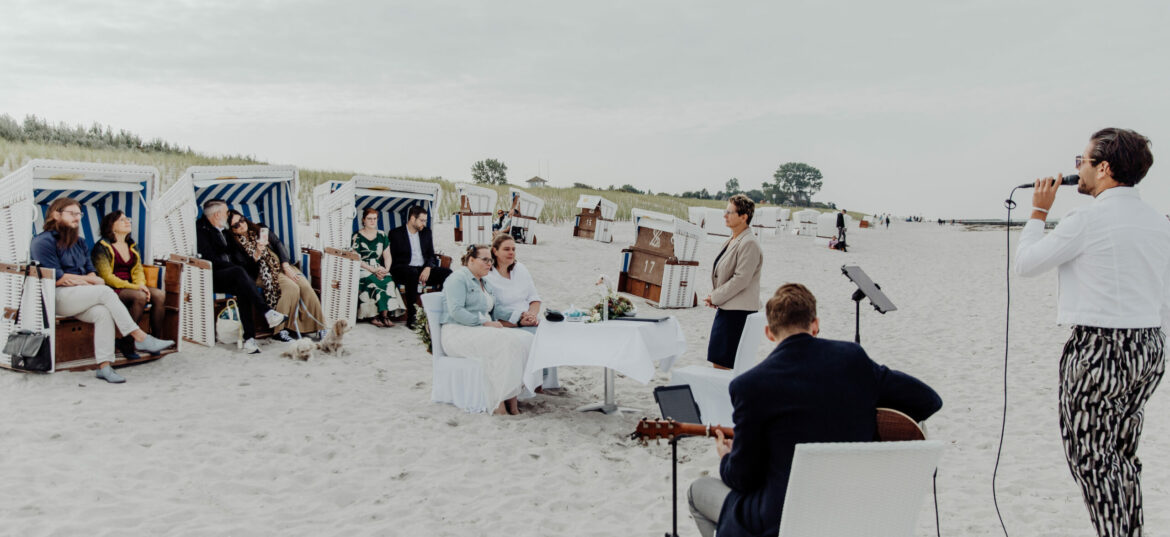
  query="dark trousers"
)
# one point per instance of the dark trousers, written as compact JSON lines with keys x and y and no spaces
{"x":725,"y":333}
{"x":136,"y":302}
{"x":841,"y":233}
{"x":236,"y":281}
{"x":407,"y":276}
{"x":1106,"y":377}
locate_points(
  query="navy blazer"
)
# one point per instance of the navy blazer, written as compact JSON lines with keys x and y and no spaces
{"x":400,"y":247}
{"x":807,"y":390}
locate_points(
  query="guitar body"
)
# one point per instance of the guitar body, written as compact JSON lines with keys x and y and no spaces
{"x":892,"y":426}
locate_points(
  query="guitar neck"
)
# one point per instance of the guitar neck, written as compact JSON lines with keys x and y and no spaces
{"x":696,"y":429}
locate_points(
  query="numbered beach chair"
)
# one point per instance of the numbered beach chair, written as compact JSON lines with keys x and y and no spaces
{"x":530,"y":207}
{"x":25,"y":196}
{"x":264,"y":194}
{"x":764,"y":221}
{"x":661,"y":265}
{"x":339,"y":214}
{"x":473,"y":222}
{"x":595,"y":221}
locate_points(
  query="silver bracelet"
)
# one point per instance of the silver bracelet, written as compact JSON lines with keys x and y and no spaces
{"x":1045,"y":211}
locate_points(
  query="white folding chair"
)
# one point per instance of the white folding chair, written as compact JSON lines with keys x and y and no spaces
{"x":844,"y":489}
{"x":458,"y":381}
{"x":710,"y":385}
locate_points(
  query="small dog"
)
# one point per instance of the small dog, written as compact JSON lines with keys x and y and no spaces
{"x":301,"y":349}
{"x":331,"y":343}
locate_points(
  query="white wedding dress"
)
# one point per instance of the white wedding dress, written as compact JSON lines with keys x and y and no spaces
{"x":504,"y":352}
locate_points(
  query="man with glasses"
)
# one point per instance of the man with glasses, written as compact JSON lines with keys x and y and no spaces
{"x":228,"y":274}
{"x":1113,"y":264}
{"x":81,"y":293}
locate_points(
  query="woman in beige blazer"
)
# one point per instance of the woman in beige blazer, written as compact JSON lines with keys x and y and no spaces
{"x":735,"y":283}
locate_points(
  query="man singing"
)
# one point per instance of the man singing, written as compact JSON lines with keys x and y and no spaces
{"x":807,"y":390}
{"x":1113,"y":263}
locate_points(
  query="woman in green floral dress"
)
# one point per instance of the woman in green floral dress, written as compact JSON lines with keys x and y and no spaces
{"x":378,"y":298}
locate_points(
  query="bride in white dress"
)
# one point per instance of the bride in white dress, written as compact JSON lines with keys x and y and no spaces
{"x":470,"y":329}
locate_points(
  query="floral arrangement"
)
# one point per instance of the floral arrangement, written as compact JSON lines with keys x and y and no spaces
{"x":618,"y":305}
{"x":421,"y":327}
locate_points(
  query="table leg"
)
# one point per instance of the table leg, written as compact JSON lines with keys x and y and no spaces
{"x":609,"y":406}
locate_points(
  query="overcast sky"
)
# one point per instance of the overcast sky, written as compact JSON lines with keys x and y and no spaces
{"x":935,"y":108}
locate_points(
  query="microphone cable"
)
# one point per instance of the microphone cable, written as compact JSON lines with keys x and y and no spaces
{"x":1009,"y":204}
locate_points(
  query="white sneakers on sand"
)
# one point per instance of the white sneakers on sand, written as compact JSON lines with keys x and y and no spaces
{"x":274,"y":318}
{"x":250,"y":347}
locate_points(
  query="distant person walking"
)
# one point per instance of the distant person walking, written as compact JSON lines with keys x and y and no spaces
{"x":841,"y":226}
{"x":735,"y":282}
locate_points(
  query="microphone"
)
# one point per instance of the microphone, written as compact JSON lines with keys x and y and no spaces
{"x":1068,"y":180}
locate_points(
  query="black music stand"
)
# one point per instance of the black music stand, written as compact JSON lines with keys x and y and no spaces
{"x":865,"y":288}
{"x":676,"y":403}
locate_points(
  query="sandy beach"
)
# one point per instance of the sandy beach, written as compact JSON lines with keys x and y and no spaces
{"x":214,"y":442}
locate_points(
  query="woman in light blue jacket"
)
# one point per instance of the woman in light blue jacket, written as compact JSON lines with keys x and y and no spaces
{"x":471,"y":328}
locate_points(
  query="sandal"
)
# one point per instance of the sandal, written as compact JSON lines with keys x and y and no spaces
{"x":387,"y":322}
{"x":377,"y":321}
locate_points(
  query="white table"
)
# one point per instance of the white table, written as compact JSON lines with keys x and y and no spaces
{"x":632,"y":348}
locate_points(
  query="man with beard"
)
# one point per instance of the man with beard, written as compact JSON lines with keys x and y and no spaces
{"x":81,"y":293}
{"x":413,"y":260}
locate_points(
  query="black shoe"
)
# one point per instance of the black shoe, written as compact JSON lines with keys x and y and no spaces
{"x":283,"y":335}
{"x":125,"y":345}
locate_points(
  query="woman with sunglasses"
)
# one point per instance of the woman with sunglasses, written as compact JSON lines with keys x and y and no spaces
{"x":471,"y":327}
{"x":285,"y":289}
{"x":378,"y":298}
{"x":118,"y":263}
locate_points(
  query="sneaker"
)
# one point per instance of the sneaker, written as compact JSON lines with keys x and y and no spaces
{"x":274,"y":318}
{"x":250,"y":347}
{"x":125,"y":345}
{"x":107,"y":374}
{"x":284,"y":336}
{"x":153,"y":345}
{"x":318,"y":335}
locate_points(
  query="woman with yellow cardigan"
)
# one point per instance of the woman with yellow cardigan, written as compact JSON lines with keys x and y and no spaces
{"x":118,"y":263}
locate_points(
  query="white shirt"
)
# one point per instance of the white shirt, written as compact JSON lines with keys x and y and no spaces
{"x":1112,"y":259}
{"x":416,"y":258}
{"x":516,"y":293}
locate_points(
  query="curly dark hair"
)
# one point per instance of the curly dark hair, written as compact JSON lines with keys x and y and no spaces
{"x":1127,"y":152}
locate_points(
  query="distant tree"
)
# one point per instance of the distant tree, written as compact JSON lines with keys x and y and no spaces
{"x":583,"y":185}
{"x":756,"y":195}
{"x":731,"y":188}
{"x":490,"y":171}
{"x":630,"y":188}
{"x":796,"y":181}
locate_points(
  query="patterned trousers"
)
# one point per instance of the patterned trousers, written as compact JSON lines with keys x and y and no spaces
{"x":1106,"y":377}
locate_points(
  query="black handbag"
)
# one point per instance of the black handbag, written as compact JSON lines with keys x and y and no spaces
{"x":29,"y":350}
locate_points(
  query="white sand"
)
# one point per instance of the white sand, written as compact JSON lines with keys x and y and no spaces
{"x":211,"y":442}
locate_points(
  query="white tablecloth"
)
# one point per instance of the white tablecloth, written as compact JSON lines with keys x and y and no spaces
{"x":631,"y":348}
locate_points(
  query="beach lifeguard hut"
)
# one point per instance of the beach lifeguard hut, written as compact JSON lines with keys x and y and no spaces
{"x":661,"y":265}
{"x":805,"y":222}
{"x":263,"y":194}
{"x":596,"y":218}
{"x":764,"y":221}
{"x":337,"y":273}
{"x":473,"y":222}
{"x":530,"y":207}
{"x":25,"y":196}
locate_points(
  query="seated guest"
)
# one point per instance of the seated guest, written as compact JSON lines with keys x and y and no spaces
{"x":469,"y":330}
{"x":228,"y":274}
{"x":413,"y":260}
{"x":514,"y":228}
{"x":806,"y":390}
{"x":499,"y":223}
{"x":285,"y":289}
{"x":83,"y":294}
{"x":378,"y":298}
{"x":513,"y":286}
{"x":119,"y":264}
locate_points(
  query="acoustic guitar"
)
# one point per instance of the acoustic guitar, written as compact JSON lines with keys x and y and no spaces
{"x":892,"y":426}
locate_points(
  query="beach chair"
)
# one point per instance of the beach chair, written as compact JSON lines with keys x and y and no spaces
{"x":805,"y":222}
{"x":710,"y":386}
{"x":710,"y":220}
{"x":264,"y":194}
{"x":339,"y":213}
{"x":25,"y":196}
{"x":530,"y":207}
{"x":782,"y":220}
{"x":874,"y":489}
{"x":764,"y":221}
{"x":473,"y":222}
{"x":458,"y":381}
{"x":660,"y":266}
{"x":637,"y":214}
{"x":595,"y":221}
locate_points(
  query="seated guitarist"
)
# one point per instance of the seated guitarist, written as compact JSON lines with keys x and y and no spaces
{"x":806,"y":390}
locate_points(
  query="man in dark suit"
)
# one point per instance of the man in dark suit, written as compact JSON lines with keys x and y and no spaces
{"x":413,"y":261}
{"x":841,"y":225}
{"x":806,"y":390}
{"x":227,"y":273}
